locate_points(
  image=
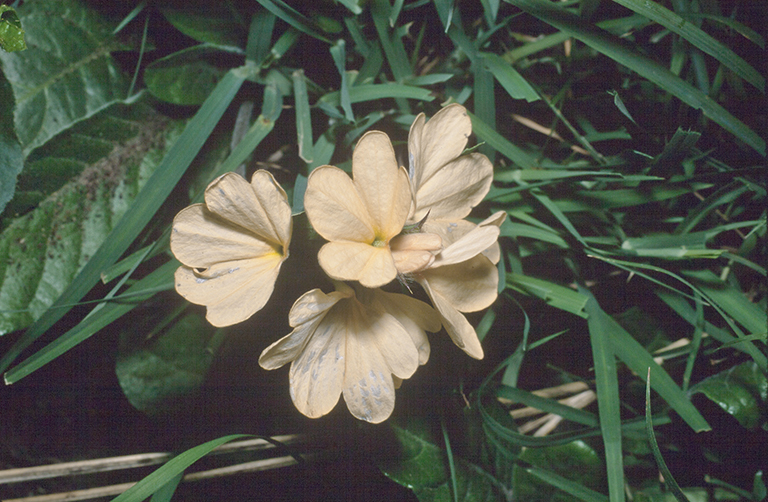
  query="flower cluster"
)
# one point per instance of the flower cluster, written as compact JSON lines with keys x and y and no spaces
{"x":383,"y":223}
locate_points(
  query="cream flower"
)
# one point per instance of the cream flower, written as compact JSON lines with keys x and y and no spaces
{"x":446,"y":185}
{"x":463,"y":278}
{"x":360,"y":216}
{"x":232,"y":246}
{"x":349,"y":344}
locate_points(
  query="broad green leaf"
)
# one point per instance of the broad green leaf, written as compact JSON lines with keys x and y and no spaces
{"x":66,"y":75}
{"x":175,"y":466}
{"x":44,"y":250}
{"x":11,"y":160}
{"x":697,"y":38}
{"x":147,"y":202}
{"x":741,"y":391}
{"x":211,"y":22}
{"x":188,"y":76}
{"x":646,"y":67}
{"x":11,"y":31}
{"x":576,"y":462}
{"x":423,"y":467}
{"x":158,"y":373}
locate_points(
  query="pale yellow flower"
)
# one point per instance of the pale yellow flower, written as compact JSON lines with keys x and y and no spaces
{"x":352,"y":345}
{"x":462,"y":278}
{"x":232,"y":246}
{"x":446,"y":185}
{"x":360,"y":216}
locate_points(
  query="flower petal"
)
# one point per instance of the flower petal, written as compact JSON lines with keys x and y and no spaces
{"x":461,"y":332}
{"x":382,"y":185}
{"x":454,"y":189}
{"x":232,"y":291}
{"x":353,"y":261}
{"x":260,"y":206}
{"x":335,"y":208}
{"x":473,"y":243}
{"x":317,"y":375}
{"x":442,"y":139}
{"x":201,"y":239}
{"x":468,"y":286}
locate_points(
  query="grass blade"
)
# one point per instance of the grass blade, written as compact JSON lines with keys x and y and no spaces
{"x":146,"y":204}
{"x":697,"y":37}
{"x":294,"y":18}
{"x":624,"y":53}
{"x":303,"y":117}
{"x":607,"y":383}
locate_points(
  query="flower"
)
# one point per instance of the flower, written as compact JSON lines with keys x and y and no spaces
{"x":360,"y":216}
{"x":446,"y":185}
{"x":231,"y":248}
{"x":462,"y":278}
{"x":352,"y":344}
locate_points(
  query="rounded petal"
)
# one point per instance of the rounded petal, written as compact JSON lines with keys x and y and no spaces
{"x":453,"y":190}
{"x":260,"y":206}
{"x":468,"y":286}
{"x":438,"y":141}
{"x":200,"y":239}
{"x":334,"y":207}
{"x":231,"y":291}
{"x":468,"y":246}
{"x":382,"y":185}
{"x":317,"y":375}
{"x":461,"y":332}
{"x":353,"y":261}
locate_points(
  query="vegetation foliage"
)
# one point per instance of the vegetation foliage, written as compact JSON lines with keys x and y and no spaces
{"x":626,"y":138}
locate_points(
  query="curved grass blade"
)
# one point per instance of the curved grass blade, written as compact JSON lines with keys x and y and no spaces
{"x":145,"y":206}
{"x":668,"y":479}
{"x":697,"y":38}
{"x":573,"y":488}
{"x":625,"y":54}
{"x":162,"y":476}
{"x":294,"y":18}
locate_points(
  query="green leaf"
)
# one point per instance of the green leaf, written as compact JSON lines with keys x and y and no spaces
{"x":509,"y":78}
{"x":11,"y":160}
{"x":373,"y":92}
{"x":423,"y":467}
{"x":66,"y":75}
{"x":697,"y":38}
{"x":741,"y":391}
{"x":626,"y":54}
{"x":159,"y":373}
{"x":11,"y":32}
{"x":44,"y":250}
{"x":294,"y":18}
{"x":558,"y":296}
{"x":147,"y":202}
{"x":169,"y":471}
{"x":576,"y":462}
{"x":211,"y":22}
{"x":303,"y":116}
{"x":188,"y":76}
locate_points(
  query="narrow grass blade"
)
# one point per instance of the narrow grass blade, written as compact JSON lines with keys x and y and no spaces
{"x":146,"y":204}
{"x":554,"y":294}
{"x":509,"y":78}
{"x":294,"y":18}
{"x":373,"y":92}
{"x":668,"y":479}
{"x":392,"y":45}
{"x":638,"y":359}
{"x":485,"y":104}
{"x":513,"y":152}
{"x":609,"y":406}
{"x":625,"y":54}
{"x":697,"y":38}
{"x":339,"y":54}
{"x":167,"y":472}
{"x":159,"y":280}
{"x":547,"y":405}
{"x":260,"y":37}
{"x":303,"y":117}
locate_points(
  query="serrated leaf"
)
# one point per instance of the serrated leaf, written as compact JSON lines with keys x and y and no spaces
{"x":157,"y":374}
{"x":742,"y":391}
{"x":66,"y":74}
{"x":423,"y":467}
{"x":41,"y":252}
{"x":11,"y":32}
{"x":11,"y":160}
{"x":187,"y":77}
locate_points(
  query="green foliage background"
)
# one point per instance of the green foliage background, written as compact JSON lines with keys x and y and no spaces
{"x":627,"y":143}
